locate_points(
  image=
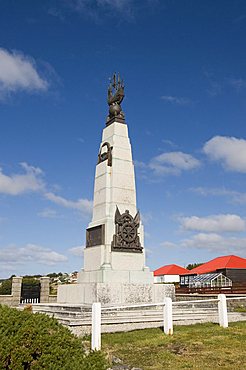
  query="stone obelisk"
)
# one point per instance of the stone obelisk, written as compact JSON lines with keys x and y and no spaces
{"x":114,"y":239}
{"x":114,"y":256}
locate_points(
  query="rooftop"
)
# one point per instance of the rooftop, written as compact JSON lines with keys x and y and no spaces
{"x":170,"y":270}
{"x":223,"y":262}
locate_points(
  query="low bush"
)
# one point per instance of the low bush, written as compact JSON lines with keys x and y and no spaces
{"x":36,"y":341}
{"x":6,"y":286}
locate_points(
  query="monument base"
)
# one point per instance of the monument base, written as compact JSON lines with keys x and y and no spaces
{"x":114,"y":293}
{"x":107,"y":275}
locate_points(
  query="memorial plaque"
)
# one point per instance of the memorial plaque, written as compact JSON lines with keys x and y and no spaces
{"x":95,"y":236}
{"x":126,"y":238}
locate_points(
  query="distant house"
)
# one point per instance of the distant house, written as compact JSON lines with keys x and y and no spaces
{"x":169,"y":274}
{"x":232,"y":269}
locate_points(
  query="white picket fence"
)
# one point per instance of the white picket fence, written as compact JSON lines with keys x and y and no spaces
{"x":167,"y":314}
{"x":29,"y":300}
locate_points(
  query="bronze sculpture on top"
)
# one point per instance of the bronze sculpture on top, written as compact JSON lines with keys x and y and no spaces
{"x":115,"y":97}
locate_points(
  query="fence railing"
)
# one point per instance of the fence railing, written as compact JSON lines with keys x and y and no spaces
{"x":167,"y":314}
{"x":234,"y":289}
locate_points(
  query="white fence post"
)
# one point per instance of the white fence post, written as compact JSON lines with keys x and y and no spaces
{"x":222,"y":309}
{"x":168,"y":316}
{"x":96,"y":327}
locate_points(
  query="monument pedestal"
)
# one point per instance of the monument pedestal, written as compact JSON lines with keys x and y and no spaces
{"x":114,"y":293}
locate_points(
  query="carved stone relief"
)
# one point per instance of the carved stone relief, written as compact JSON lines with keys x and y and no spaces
{"x":126,"y":237}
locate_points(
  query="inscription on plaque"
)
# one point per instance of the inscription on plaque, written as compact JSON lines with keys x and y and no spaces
{"x":95,"y":236}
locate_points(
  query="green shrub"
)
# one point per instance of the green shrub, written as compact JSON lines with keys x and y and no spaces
{"x":36,"y":341}
{"x":6,"y":286}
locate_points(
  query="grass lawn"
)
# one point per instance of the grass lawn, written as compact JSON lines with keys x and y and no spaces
{"x":200,"y":346}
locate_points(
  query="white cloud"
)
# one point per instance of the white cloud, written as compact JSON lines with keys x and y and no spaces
{"x":211,"y":242}
{"x":215,"y":87}
{"x":237,"y":83}
{"x":229,"y":151}
{"x":214,"y":223}
{"x":30,"y":181}
{"x":19,"y":72}
{"x":173,"y":163}
{"x":77,"y":251}
{"x":168,"y":245}
{"x":146,"y":217}
{"x":215,"y":242}
{"x":233,"y":195}
{"x":118,"y":10}
{"x":202,"y":240}
{"x":210,"y":236}
{"x":30,"y":253}
{"x":148,"y":252}
{"x":115,"y":4}
{"x":147,"y":235}
{"x":140,"y":164}
{"x":82,"y":205}
{"x":95,"y":8}
{"x":48,"y":213}
{"x":170,"y":143}
{"x":212,"y":191}
{"x":176,"y":100}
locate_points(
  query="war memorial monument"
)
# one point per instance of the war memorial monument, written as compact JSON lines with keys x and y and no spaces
{"x":114,"y":255}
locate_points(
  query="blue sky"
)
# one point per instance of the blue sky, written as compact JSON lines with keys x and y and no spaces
{"x":183,"y":63}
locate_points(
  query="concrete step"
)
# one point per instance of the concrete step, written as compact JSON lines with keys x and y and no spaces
{"x":122,"y":314}
{"x":126,"y":316}
{"x":78,"y":318}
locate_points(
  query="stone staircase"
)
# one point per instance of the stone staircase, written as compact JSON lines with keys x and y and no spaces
{"x":78,"y":318}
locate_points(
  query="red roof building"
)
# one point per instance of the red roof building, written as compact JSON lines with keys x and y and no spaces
{"x":169,"y":274}
{"x":170,"y":270}
{"x":224,"y":262}
{"x":233,"y":267}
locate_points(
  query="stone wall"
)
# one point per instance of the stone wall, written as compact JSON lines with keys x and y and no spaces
{"x":13,"y":300}
{"x":52,"y":298}
{"x":6,"y":300}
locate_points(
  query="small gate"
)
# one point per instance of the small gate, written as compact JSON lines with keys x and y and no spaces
{"x":30,"y":292}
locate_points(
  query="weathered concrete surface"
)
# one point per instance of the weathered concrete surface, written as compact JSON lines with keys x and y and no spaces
{"x":114,"y":293}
